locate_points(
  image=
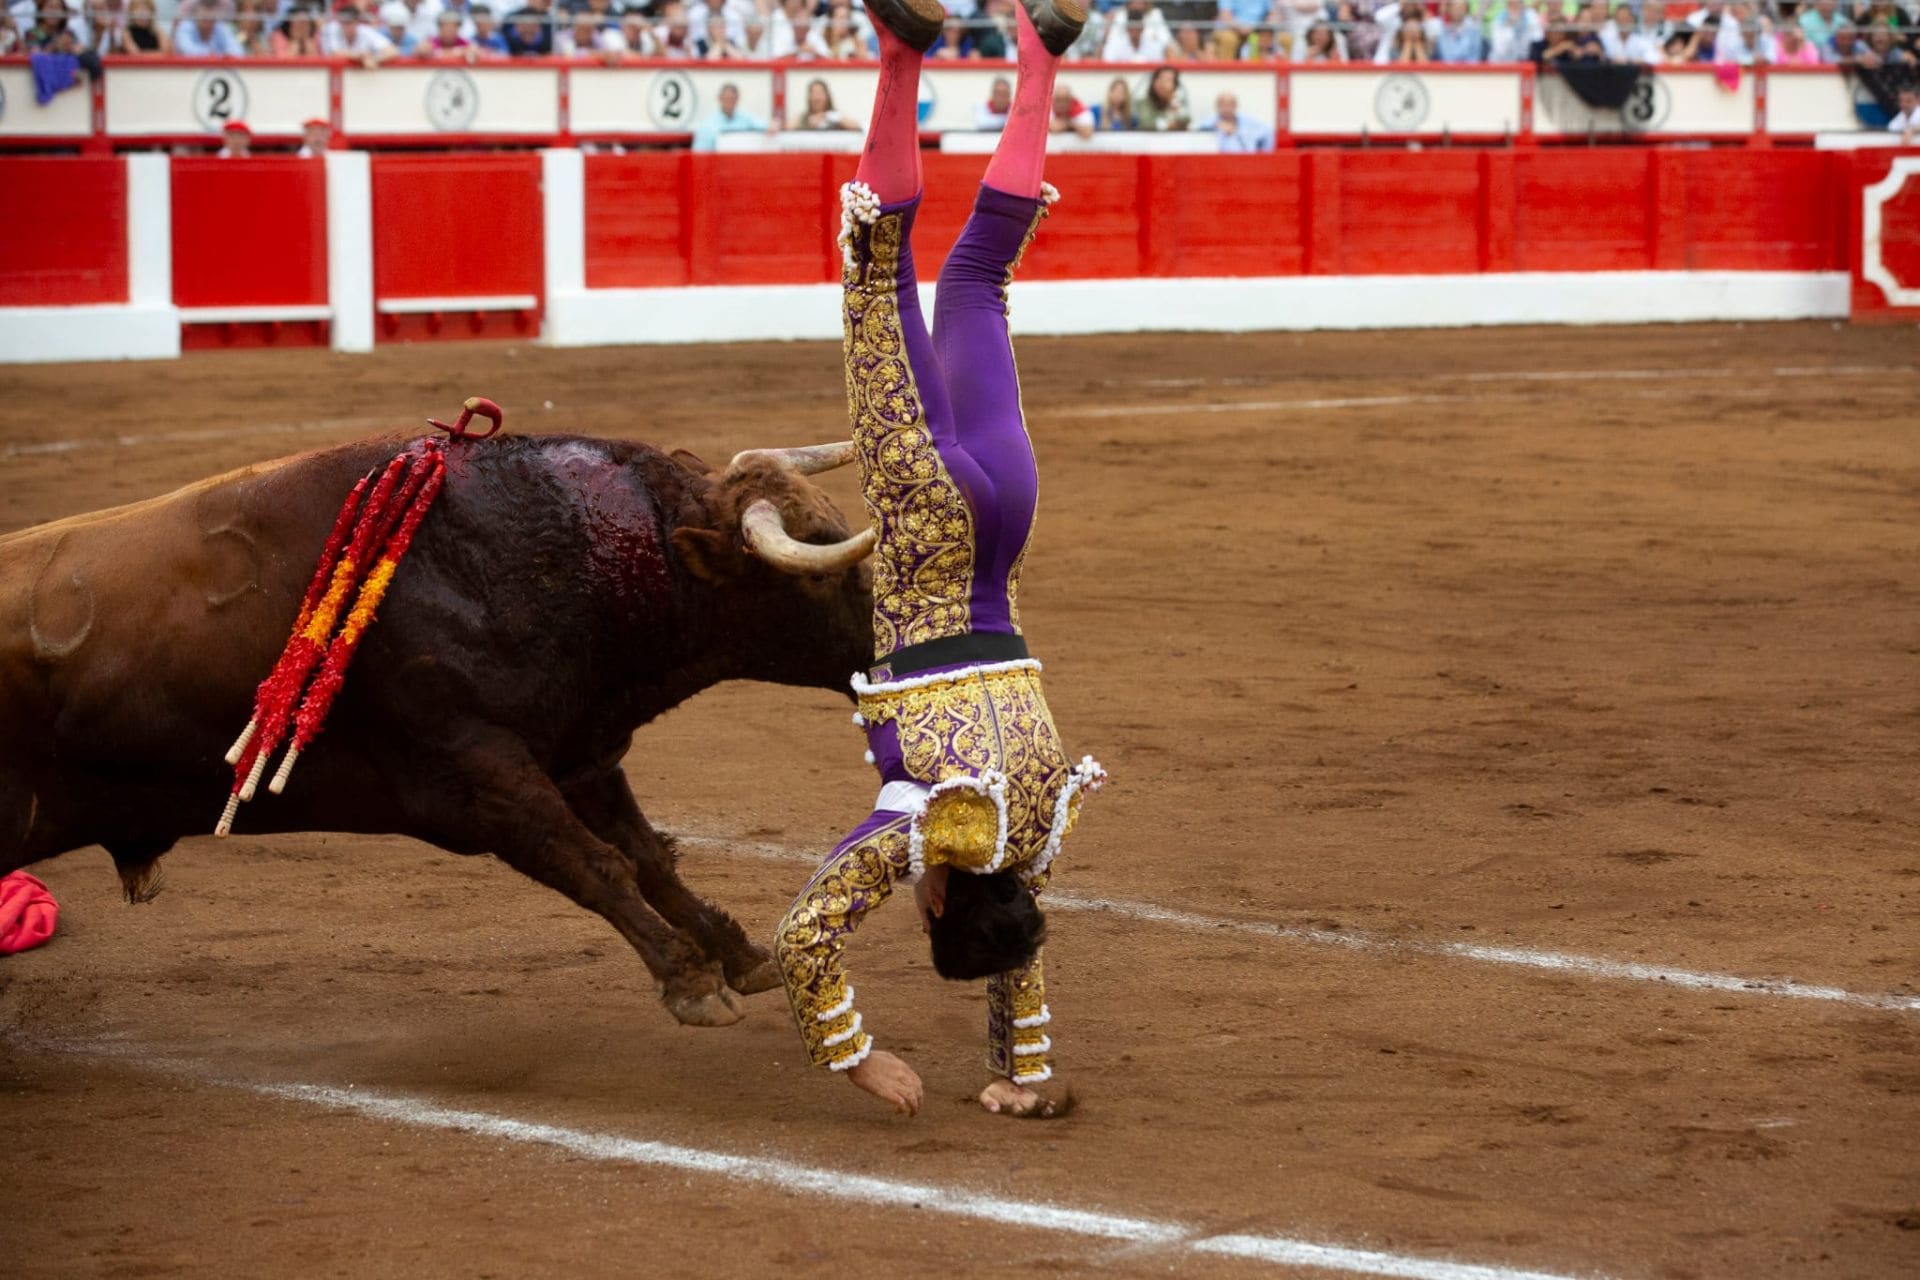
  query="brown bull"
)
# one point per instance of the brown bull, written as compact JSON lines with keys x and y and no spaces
{"x":563,"y":592}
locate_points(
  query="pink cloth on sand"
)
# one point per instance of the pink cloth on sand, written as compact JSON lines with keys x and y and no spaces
{"x":27,"y":913}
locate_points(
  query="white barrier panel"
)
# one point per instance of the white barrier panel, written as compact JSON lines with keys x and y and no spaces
{"x":147,"y":101}
{"x":174,"y":98}
{"x":1299,"y":303}
{"x":671,"y":99}
{"x":1673,"y":102}
{"x":1810,"y":101}
{"x":393,"y":100}
{"x":69,"y":115}
{"x":1190,"y":143}
{"x":1405,"y":100}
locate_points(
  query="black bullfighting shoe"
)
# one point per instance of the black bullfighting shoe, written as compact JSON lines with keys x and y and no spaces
{"x":916,"y":22}
{"x":1058,"y":22}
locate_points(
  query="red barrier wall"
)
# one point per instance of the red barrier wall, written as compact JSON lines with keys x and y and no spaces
{"x":767,"y":219}
{"x":65,"y":242}
{"x":453,"y":226}
{"x":249,"y":235}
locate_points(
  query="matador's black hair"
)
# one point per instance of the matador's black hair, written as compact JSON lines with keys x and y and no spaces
{"x":990,"y":924}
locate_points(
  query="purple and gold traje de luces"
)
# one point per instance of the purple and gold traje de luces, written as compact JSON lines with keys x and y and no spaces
{"x":972,"y":769}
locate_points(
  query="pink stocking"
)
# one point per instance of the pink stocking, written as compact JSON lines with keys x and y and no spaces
{"x":1021,"y":156}
{"x":891,"y":162}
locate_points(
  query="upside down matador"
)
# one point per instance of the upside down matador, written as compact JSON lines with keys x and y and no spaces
{"x":975,"y":781}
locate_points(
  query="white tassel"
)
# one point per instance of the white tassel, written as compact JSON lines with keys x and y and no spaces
{"x":240,"y":743}
{"x":1039,"y":1019}
{"x":279,"y":782}
{"x":862,"y":686}
{"x":870,"y":759}
{"x":844,"y":1036}
{"x":853,"y":1059}
{"x":846,"y":1003}
{"x":1049,"y":193}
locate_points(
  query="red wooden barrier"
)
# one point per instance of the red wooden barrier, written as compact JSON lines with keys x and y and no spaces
{"x":250,"y":236}
{"x":769,"y":220}
{"x":454,"y":227}
{"x":65,"y":242}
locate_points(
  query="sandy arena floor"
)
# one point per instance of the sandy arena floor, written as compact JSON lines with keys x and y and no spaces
{"x":1422,"y":663}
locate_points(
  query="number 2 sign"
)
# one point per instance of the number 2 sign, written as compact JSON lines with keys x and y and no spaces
{"x":671,"y":101}
{"x":219,"y":97}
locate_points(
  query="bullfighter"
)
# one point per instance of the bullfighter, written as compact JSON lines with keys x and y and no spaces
{"x":974,"y":778}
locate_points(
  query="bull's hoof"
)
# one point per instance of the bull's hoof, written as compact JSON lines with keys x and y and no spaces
{"x":713,"y":1006}
{"x":753,"y":973}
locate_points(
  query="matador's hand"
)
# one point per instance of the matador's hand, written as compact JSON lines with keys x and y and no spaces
{"x":1005,"y":1098}
{"x":890,"y":1080}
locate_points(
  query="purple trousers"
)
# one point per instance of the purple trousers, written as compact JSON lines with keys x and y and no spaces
{"x":950,"y":477}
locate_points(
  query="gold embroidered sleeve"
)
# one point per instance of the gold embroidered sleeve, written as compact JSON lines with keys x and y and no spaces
{"x":854,"y":880}
{"x":1017,"y":1020}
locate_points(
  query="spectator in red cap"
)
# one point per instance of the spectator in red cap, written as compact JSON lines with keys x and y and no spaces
{"x":237,"y":141}
{"x":315,"y":134}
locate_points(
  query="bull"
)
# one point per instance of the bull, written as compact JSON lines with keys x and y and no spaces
{"x":563,"y":592}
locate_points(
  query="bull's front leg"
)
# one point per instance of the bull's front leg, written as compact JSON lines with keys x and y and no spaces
{"x":607,"y":806}
{"x":510,"y":806}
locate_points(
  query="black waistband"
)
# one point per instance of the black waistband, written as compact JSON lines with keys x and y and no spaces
{"x":950,"y":651}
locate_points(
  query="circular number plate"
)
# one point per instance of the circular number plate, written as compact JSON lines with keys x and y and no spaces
{"x":1648,"y":106}
{"x":452,"y":100}
{"x":671,"y":101}
{"x":219,"y":96}
{"x":1401,"y":103}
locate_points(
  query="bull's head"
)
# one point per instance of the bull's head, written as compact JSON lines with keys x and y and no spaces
{"x":776,"y":546}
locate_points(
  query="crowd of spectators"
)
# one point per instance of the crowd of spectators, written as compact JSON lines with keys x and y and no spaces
{"x":1868,"y":33}
{"x":1878,"y":38}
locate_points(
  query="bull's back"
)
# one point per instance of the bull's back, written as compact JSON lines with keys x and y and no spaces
{"x":138,"y":624}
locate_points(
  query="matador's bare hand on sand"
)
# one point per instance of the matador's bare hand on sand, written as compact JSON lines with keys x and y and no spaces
{"x":1005,"y":1098}
{"x":890,"y":1080}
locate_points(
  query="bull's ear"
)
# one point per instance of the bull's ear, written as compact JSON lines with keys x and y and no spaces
{"x":707,"y":553}
{"x":692,"y":462}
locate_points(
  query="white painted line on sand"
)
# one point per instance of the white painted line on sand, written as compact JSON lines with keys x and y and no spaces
{"x":1382,"y":402}
{"x":1566,"y":964}
{"x":835,"y":1184}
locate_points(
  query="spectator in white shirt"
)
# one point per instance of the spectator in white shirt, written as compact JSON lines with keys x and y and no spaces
{"x":1515,"y":32}
{"x":315,"y":134}
{"x":236,"y":141}
{"x":991,"y":115}
{"x":633,"y":38}
{"x":1140,"y":35}
{"x":1624,"y":43}
{"x":1907,"y":122}
{"x":352,"y":37}
{"x":809,"y":45}
{"x":394,"y":20}
{"x":1070,"y":115}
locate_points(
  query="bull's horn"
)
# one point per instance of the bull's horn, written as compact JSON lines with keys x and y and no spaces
{"x":808,"y":460}
{"x":767,"y":537}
